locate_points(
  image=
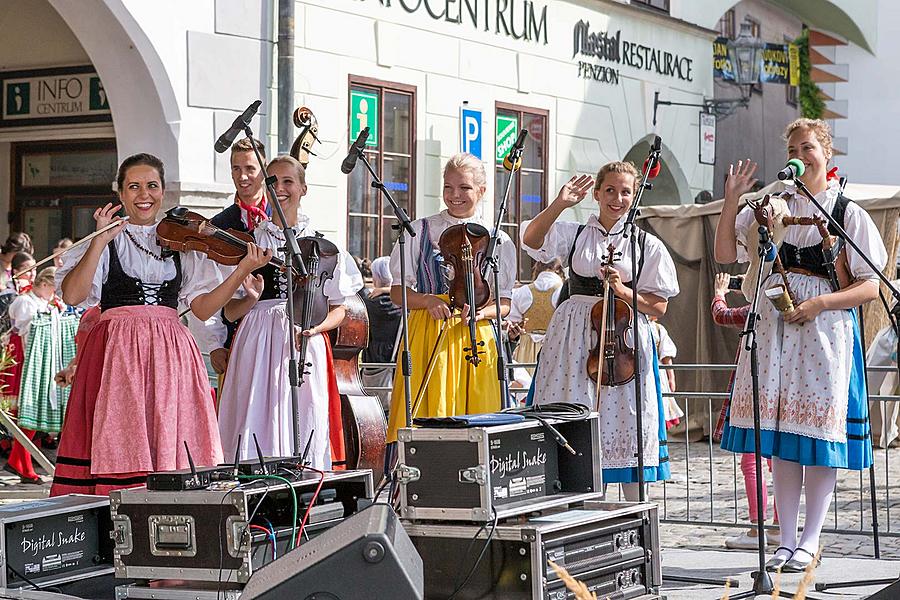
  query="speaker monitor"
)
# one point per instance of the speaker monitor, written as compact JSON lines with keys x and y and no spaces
{"x":369,"y":555}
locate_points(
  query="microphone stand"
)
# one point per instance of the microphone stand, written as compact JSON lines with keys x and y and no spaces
{"x":292,"y":256}
{"x":493,"y":260}
{"x":630,"y":231}
{"x":762,"y":582}
{"x":405,"y":227}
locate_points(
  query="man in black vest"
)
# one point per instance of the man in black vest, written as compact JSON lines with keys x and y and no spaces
{"x":249,"y":208}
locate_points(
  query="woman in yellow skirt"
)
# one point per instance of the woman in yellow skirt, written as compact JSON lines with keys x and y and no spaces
{"x":455,"y":386}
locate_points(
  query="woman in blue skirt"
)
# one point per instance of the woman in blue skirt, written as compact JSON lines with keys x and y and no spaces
{"x":813,"y":411}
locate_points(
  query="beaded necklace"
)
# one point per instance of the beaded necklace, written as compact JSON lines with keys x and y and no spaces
{"x":143,"y":249}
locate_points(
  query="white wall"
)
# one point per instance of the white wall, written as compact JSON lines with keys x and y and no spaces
{"x":872,"y":127}
{"x":590,"y":123}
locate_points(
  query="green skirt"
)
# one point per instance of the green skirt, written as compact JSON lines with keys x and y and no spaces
{"x":50,"y":347}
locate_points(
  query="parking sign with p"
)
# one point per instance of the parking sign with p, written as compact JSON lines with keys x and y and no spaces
{"x":470,"y":131}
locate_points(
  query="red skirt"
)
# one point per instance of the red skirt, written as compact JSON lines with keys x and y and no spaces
{"x":140,"y":393}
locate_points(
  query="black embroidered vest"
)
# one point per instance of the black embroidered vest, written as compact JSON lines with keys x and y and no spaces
{"x":812,"y":258}
{"x":593,"y":286}
{"x":121,"y":289}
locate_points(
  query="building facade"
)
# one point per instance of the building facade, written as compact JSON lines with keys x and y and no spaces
{"x":89,"y":82}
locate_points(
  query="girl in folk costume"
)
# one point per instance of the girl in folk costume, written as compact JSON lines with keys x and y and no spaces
{"x":666,"y":351}
{"x":49,"y":344}
{"x":11,"y":377}
{"x":455,"y":386}
{"x":140,"y":391}
{"x":532,"y":307}
{"x":562,"y":375}
{"x":812,"y":398}
{"x":256,"y":395}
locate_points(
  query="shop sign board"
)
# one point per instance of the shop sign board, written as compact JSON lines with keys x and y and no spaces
{"x":707,"y":138}
{"x":507,"y":132}
{"x":52,"y":96}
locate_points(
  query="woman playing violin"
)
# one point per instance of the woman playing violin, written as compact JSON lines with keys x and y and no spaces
{"x":256,"y":395}
{"x":813,"y":410}
{"x":455,"y":386}
{"x":562,"y":375}
{"x":141,"y":390}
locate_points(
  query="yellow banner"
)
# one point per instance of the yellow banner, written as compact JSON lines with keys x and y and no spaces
{"x":794,"y":60}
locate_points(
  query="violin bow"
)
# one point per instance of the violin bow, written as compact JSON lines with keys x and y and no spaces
{"x":86,"y":238}
{"x":429,"y":368}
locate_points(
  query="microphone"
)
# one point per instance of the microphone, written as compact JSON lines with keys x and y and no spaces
{"x":516,"y":151}
{"x":768,"y":250}
{"x":355,"y":149}
{"x":654,"y":171}
{"x":794,"y":169}
{"x":225,"y":140}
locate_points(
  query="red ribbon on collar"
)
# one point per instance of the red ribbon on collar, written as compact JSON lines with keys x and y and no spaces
{"x":832,"y":174}
{"x":255,"y":214}
{"x":54,"y":301}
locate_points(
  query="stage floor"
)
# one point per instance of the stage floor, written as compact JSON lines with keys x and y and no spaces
{"x":739,"y":565}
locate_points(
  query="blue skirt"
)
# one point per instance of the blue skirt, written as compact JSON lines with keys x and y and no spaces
{"x":855,"y":453}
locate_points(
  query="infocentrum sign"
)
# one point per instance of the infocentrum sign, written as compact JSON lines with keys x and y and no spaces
{"x":518,"y":19}
{"x":53,"y":96}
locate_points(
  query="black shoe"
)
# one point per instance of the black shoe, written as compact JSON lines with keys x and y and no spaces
{"x":50,"y":443}
{"x":799,"y":562}
{"x":22,"y":478}
{"x":777,"y":563}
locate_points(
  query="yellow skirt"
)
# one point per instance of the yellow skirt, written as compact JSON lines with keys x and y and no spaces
{"x":456,"y":387}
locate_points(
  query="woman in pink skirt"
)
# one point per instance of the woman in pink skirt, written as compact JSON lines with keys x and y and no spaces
{"x":140,"y":391}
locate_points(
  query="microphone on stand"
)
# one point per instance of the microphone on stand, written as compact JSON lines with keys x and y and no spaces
{"x":355,"y":149}
{"x":794,"y":169}
{"x":515,"y":153}
{"x":654,"y":171}
{"x":225,"y":140}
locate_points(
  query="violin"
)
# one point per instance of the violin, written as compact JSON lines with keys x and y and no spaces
{"x":611,"y":319}
{"x":464,"y":250}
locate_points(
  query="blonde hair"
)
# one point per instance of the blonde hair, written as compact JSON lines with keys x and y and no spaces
{"x":819,"y":128}
{"x":46,"y":275}
{"x":617,"y":166}
{"x":465,"y":162}
{"x":287,"y":159}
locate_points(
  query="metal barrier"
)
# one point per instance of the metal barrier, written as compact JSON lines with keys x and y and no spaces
{"x":698,"y":477}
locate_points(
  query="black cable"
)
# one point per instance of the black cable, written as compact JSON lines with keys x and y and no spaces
{"x":561,"y":411}
{"x":484,"y":548}
{"x":31,"y":583}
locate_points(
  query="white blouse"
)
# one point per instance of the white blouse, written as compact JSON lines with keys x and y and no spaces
{"x":23,"y":310}
{"x":657,"y":277}
{"x":439,"y":223}
{"x":197,"y":277}
{"x":857,"y":223}
{"x":347,"y":279}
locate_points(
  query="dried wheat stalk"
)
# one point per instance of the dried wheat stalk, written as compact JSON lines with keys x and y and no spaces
{"x":580,"y":589}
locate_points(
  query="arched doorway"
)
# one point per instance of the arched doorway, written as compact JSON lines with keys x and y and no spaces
{"x":671,"y":185}
{"x":61,"y":168}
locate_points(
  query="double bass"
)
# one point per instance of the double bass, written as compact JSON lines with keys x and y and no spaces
{"x":362,"y":417}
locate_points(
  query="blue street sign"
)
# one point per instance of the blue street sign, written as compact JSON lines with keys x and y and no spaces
{"x":470,"y":131}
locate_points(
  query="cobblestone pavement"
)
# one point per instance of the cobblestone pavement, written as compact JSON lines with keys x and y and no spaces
{"x":689,"y":497}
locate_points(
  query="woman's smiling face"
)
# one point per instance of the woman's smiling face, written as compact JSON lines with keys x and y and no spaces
{"x":461,"y":193}
{"x":614,"y":195}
